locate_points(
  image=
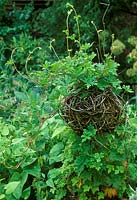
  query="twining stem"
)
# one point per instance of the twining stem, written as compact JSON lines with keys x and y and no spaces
{"x":103,"y":22}
{"x":99,"y":44}
{"x":26,"y":63}
{"x":78,"y":28}
{"x":76,"y":17}
{"x":67,"y":32}
{"x":29,"y":58}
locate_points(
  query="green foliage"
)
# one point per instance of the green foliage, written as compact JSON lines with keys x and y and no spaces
{"x":27,"y":53}
{"x":71,"y":73}
{"x":92,"y":165}
{"x":14,"y":19}
{"x":16,"y":40}
{"x":49,"y":22}
{"x":21,"y":146}
{"x":119,"y":48}
{"x":132,"y":58}
{"x":41,"y":157}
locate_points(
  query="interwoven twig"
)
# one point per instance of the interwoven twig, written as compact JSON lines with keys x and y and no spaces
{"x":102,"y":109}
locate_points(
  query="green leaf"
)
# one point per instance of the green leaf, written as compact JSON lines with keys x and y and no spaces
{"x":2,"y":196}
{"x":10,"y":187}
{"x":50,"y":183}
{"x":133,"y":122}
{"x":20,"y":95}
{"x":34,"y":171}
{"x":53,"y":173}
{"x":88,"y":133}
{"x":100,"y":195}
{"x":88,"y":79}
{"x":127,"y":88}
{"x":58,"y":131}
{"x":103,"y":83}
{"x":18,"y":140}
{"x":55,"y":153}
{"x":5,"y":131}
{"x":28,"y":162}
{"x":23,"y":178}
{"x":111,"y":168}
{"x":26,"y":193}
{"x":86,"y":188}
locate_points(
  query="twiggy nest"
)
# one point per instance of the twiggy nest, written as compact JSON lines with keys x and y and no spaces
{"x":102,"y":109}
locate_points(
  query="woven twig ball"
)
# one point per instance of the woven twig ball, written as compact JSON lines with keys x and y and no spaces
{"x":102,"y":109}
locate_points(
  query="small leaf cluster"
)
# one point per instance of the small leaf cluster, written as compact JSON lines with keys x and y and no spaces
{"x":79,"y":71}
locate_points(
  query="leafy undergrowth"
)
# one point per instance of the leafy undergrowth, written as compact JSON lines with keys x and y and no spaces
{"x":42,"y":158}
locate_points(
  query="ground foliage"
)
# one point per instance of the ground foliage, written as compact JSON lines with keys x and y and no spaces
{"x":41,"y":157}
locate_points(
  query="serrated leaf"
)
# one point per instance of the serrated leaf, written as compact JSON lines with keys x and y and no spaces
{"x":110,"y":192}
{"x":10,"y":187}
{"x":100,"y":195}
{"x":86,"y":188}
